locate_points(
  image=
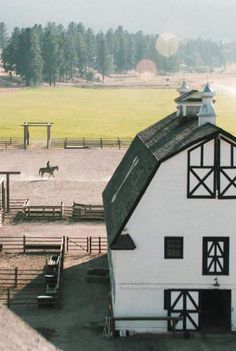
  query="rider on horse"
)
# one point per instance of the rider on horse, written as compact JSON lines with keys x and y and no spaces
{"x":48,"y":165}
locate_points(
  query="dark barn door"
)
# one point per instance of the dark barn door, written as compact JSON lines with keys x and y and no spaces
{"x":215,"y":310}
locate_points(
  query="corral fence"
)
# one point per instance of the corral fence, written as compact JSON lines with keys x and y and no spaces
{"x":82,"y":143}
{"x":83,"y":211}
{"x":22,"y":210}
{"x":73,"y":245}
{"x":33,"y":286}
{"x":41,"y":212}
{"x":1,"y":215}
{"x":70,"y":143}
{"x":20,"y":286}
{"x":9,"y":143}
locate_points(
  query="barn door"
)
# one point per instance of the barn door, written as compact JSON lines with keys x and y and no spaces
{"x":184,"y":303}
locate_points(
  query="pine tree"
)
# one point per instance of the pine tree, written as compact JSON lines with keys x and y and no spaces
{"x":50,"y":55}
{"x":103,"y":58}
{"x":36,"y":61}
{"x":3,"y":35}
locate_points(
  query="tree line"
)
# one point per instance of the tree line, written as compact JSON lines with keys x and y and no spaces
{"x":56,"y":53}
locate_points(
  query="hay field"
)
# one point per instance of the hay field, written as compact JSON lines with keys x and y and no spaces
{"x":78,"y":112}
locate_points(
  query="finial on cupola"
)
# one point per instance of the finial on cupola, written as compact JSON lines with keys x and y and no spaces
{"x":183,"y":88}
{"x":207,"y":112}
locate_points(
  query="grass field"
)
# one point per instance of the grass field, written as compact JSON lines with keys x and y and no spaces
{"x":78,"y":112}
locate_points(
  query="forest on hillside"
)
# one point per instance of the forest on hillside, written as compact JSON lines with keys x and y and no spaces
{"x":55,"y":53}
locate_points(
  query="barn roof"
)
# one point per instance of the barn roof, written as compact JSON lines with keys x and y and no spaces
{"x":150,"y":147}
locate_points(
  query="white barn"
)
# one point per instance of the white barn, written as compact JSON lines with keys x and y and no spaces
{"x":171,"y":224}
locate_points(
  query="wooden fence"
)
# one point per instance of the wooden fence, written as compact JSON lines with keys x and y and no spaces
{"x":6,"y":143}
{"x":33,"y":286}
{"x":43,"y":212}
{"x":90,"y":245}
{"x":73,"y":245}
{"x":71,"y":143}
{"x":20,"y":286}
{"x":82,"y":211}
{"x":1,"y":215}
{"x":80,"y":143}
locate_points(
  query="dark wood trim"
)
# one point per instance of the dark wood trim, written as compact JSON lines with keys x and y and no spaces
{"x":215,"y":258}
{"x":185,"y":313}
{"x":201,"y":182}
{"x":123,"y":242}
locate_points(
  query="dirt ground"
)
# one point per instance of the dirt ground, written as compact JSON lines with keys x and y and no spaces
{"x":82,"y":174}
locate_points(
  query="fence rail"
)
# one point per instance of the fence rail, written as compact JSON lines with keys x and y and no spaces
{"x":73,"y":245}
{"x":71,"y":143}
{"x":80,"y":143}
{"x":33,"y":286}
{"x":6,"y":143}
{"x":43,"y":212}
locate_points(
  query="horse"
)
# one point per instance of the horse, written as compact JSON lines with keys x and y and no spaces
{"x":49,"y":170}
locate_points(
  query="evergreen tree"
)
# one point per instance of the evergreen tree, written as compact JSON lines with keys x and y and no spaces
{"x":36,"y":61}
{"x":50,"y":55}
{"x":10,"y":52}
{"x":3,"y":35}
{"x":103,"y":58}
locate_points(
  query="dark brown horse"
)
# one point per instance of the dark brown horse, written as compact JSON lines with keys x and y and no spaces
{"x":49,"y":170}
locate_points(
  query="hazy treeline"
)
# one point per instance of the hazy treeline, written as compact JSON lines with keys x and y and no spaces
{"x":55,"y":53}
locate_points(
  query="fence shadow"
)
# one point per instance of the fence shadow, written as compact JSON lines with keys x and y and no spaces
{"x":80,"y":316}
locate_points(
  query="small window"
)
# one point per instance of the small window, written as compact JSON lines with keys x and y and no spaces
{"x":174,"y":247}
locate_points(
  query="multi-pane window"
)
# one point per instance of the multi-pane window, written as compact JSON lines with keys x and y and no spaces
{"x":174,"y":247}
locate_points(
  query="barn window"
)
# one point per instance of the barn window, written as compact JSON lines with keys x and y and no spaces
{"x":212,"y":170}
{"x":215,"y":259}
{"x":174,"y":246}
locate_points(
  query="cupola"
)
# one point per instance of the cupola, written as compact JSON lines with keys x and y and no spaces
{"x":183,"y":88}
{"x":207,"y":112}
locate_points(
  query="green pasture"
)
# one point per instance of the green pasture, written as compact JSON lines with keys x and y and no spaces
{"x":78,"y":112}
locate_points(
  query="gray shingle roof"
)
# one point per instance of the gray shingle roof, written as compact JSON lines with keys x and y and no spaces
{"x":192,"y":95}
{"x":150,"y":147}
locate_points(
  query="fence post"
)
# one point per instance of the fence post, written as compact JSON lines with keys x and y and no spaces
{"x":99,"y":245}
{"x":87,"y":245}
{"x":24,"y":244}
{"x":10,"y":140}
{"x":101,"y":144}
{"x":65,"y":143}
{"x":16,"y":276}
{"x":62,"y":209}
{"x":8,"y":297}
{"x":118,"y":139}
{"x":67,"y":244}
{"x":83,"y":142}
{"x":90,"y":245}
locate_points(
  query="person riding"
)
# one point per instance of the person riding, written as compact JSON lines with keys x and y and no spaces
{"x":48,"y":165}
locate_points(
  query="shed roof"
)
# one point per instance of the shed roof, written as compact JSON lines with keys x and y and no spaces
{"x":16,"y":335}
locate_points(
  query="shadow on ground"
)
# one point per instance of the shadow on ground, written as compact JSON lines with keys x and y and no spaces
{"x":78,"y":323}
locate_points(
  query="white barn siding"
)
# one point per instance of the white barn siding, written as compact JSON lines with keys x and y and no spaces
{"x":142,"y":275}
